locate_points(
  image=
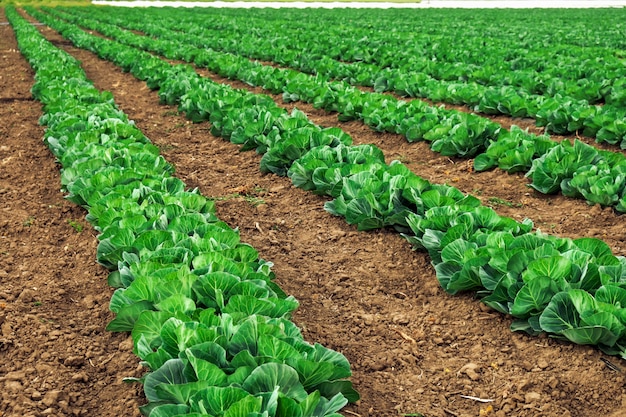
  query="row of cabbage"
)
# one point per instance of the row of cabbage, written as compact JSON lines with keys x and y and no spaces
{"x":562,"y":106}
{"x":454,"y":49}
{"x":532,"y":66}
{"x":204,"y":314}
{"x":572,"y":289}
{"x":577,"y":170}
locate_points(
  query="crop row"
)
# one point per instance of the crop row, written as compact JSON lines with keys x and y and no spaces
{"x":562,"y":108}
{"x":204,"y":314}
{"x":448,"y":50}
{"x":577,"y":170}
{"x":572,"y":289}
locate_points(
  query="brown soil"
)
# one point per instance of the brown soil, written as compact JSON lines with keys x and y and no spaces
{"x":413,"y":348}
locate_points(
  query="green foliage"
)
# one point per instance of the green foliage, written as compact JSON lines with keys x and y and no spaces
{"x":227,"y":323}
{"x":203,"y":312}
{"x":328,"y":82}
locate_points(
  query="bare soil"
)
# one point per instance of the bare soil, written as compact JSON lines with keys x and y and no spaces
{"x":413,"y":348}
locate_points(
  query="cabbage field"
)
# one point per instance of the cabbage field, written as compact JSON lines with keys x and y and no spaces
{"x":314,"y":213}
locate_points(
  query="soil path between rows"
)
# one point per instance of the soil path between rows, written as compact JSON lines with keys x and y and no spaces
{"x":413,"y":348}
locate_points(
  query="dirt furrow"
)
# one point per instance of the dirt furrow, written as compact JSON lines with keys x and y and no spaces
{"x":508,"y":194}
